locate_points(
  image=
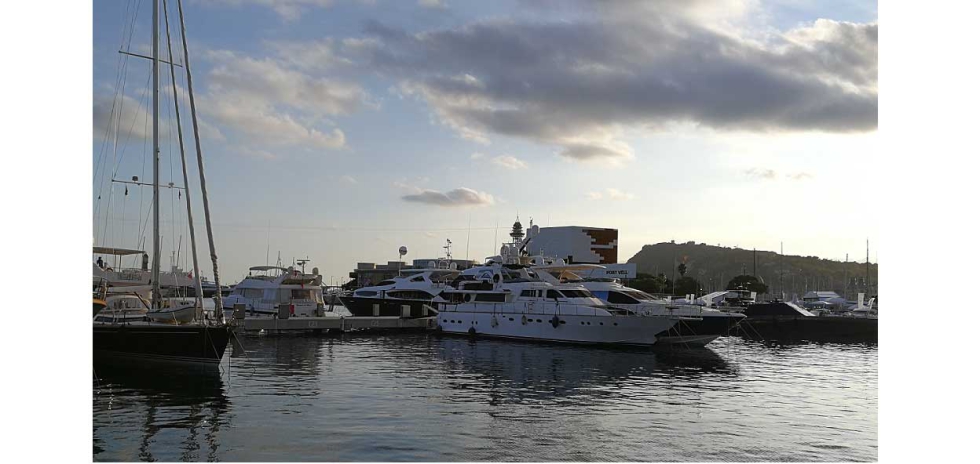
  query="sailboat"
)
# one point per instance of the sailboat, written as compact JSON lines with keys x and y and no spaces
{"x":164,"y":330}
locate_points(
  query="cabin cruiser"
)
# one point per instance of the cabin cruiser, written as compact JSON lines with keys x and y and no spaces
{"x":508,"y":298}
{"x":270,"y":289}
{"x":407,"y":296}
{"x":697,"y":325}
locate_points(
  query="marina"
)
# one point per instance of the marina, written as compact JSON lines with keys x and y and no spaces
{"x":558,"y":342}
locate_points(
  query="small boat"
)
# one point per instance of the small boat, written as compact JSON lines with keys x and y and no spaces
{"x":269,"y":290}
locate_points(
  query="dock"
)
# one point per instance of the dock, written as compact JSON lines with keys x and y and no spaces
{"x":274,"y":325}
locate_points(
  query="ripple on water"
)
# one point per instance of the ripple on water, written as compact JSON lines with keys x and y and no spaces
{"x":415,"y":397}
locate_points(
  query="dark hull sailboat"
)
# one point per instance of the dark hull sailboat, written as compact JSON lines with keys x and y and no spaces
{"x":388,"y":307}
{"x":160,"y":342}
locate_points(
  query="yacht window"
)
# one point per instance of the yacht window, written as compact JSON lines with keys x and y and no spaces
{"x":386,"y":282}
{"x":366,"y":293}
{"x":528,"y":293}
{"x":302,"y":294}
{"x":418,"y":279}
{"x":253,"y":293}
{"x":621,"y":298}
{"x":575,"y":294}
{"x":492,"y":297}
{"x":553,"y":294}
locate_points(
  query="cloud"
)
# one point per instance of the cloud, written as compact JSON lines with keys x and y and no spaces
{"x":476,"y":156}
{"x":509,"y":162}
{"x":799,"y":176}
{"x":432,"y":4}
{"x":288,"y":10}
{"x":581,"y":82}
{"x":610,"y":194}
{"x":759,"y":173}
{"x":132,"y":117}
{"x":457,"y":197}
{"x":348,"y":179}
{"x":269,"y":103}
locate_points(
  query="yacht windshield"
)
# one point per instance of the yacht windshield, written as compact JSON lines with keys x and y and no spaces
{"x":576,"y":294}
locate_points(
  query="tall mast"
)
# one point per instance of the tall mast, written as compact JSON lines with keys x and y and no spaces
{"x":183,"y":161}
{"x":200,"y":165}
{"x":156,"y":154}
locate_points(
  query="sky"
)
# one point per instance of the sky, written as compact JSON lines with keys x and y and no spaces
{"x":341,"y":130}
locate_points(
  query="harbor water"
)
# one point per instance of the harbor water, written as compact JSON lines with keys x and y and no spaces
{"x":422,"y":397}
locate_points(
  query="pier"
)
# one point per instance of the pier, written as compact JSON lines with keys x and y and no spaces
{"x":276,"y":325}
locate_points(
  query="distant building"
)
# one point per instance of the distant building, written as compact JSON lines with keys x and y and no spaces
{"x":581,"y":245}
{"x":575,"y":244}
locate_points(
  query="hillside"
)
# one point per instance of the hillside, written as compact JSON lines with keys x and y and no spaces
{"x":714,"y":266}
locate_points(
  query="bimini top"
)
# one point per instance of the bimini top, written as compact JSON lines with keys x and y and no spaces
{"x":266,"y":268}
{"x":115,"y":251}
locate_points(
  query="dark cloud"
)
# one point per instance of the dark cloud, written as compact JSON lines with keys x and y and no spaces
{"x":456,"y":197}
{"x":580,"y":83}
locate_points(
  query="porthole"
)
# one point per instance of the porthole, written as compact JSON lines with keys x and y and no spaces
{"x":511,"y":318}
{"x":582,"y":322}
{"x":539,"y":320}
{"x":600,"y":323}
{"x":562,"y":322}
{"x":615,"y":323}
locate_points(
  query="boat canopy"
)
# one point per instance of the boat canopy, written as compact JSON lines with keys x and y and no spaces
{"x":115,"y":251}
{"x":266,"y":268}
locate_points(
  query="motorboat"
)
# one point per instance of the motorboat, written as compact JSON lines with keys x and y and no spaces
{"x":269,"y":291}
{"x":697,"y":325}
{"x":507,"y":298}
{"x":408,"y":296}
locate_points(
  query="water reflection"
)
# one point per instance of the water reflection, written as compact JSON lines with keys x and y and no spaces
{"x":176,"y":408}
{"x":421,"y":397}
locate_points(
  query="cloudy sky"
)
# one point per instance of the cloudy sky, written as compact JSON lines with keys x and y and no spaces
{"x":342,"y":129}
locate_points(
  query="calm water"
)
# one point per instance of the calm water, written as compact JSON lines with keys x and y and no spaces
{"x":420,"y":397}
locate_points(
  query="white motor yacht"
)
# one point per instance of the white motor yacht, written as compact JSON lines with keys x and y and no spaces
{"x":268,"y":290}
{"x":697,"y":325}
{"x":508,"y":299}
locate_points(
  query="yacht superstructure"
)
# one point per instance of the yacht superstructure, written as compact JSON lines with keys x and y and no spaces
{"x":508,"y":298}
{"x":270,"y":289}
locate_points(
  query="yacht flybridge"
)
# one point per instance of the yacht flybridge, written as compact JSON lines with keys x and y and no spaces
{"x":508,"y":298}
{"x":268,"y":290}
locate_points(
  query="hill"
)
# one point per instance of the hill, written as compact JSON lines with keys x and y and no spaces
{"x":714,"y":266}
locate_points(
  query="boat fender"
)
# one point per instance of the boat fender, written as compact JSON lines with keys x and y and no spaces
{"x":439,"y":329}
{"x":493,"y":322}
{"x":523,"y":320}
{"x":472,"y":331}
{"x":555,"y":321}
{"x":647,"y":312}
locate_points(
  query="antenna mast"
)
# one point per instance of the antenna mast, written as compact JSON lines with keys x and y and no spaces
{"x":156,"y":154}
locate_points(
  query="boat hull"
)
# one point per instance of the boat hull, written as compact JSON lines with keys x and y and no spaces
{"x":160,"y":342}
{"x":701,"y":332}
{"x":580,"y":329}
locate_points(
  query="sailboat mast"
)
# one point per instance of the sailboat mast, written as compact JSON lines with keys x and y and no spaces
{"x":219,"y":313}
{"x":183,"y":161}
{"x":156,"y":154}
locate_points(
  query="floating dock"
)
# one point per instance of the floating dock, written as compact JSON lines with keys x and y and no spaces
{"x":273,"y":325}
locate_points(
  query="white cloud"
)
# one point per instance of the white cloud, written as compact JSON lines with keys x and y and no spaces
{"x":457,"y":197}
{"x":348,"y":179}
{"x":288,"y":10}
{"x":277,"y":107}
{"x":610,"y":194}
{"x":509,"y":162}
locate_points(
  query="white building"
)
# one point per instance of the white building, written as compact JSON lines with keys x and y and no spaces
{"x":578,"y":244}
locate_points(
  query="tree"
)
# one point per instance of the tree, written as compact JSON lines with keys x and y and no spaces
{"x":650,"y":284}
{"x":682,"y":269}
{"x":747,"y":282}
{"x":686,"y":285}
